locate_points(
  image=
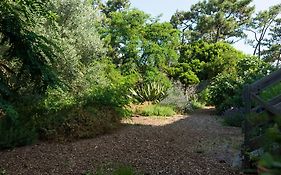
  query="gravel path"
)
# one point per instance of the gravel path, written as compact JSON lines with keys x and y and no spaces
{"x":196,"y":144}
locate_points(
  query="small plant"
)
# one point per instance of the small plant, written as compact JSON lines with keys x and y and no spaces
{"x":156,"y":110}
{"x":151,"y":91}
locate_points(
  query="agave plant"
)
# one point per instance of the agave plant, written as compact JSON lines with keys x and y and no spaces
{"x":148,"y":92}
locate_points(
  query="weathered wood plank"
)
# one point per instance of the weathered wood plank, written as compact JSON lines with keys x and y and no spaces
{"x":273,"y":101}
{"x":266,"y":81}
{"x":267,"y":106}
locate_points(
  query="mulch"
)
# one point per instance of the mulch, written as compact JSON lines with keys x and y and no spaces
{"x":196,"y":144}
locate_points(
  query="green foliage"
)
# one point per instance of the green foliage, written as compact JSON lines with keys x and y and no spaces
{"x":213,"y":20}
{"x":272,"y":53}
{"x":28,"y":57}
{"x":271,"y":92}
{"x":78,"y":122}
{"x":203,"y":61}
{"x":91,"y":97}
{"x":233,"y":117}
{"x":14,"y":130}
{"x":270,"y":161}
{"x":262,"y":22}
{"x":226,"y":88}
{"x":156,"y":110}
{"x":94,"y":108}
{"x":225,"y":91}
{"x":137,"y":43}
{"x":148,"y":92}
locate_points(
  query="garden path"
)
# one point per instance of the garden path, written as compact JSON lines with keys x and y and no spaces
{"x":196,"y":144}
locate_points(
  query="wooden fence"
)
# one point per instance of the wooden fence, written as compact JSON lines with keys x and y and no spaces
{"x":255,"y":104}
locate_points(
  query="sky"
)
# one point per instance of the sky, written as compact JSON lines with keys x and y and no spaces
{"x":168,"y":7}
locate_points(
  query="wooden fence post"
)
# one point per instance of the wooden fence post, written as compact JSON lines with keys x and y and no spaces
{"x":246,"y":126}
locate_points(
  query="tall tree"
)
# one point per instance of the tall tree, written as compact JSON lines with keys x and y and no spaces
{"x":214,"y":20}
{"x":114,"y":6}
{"x":272,"y":53}
{"x":260,"y":25}
{"x":28,"y":56}
{"x":136,"y":42}
{"x":202,"y":61}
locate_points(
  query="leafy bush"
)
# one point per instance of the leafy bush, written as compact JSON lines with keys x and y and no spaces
{"x":78,"y":122}
{"x":94,"y":105}
{"x":226,"y":91}
{"x":14,"y":129}
{"x":226,"y":88}
{"x":156,"y":110}
{"x":202,"y":61}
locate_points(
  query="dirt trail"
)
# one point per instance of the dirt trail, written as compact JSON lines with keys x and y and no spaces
{"x":196,"y":144}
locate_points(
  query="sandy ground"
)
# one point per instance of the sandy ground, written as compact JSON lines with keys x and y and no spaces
{"x":195,"y":144}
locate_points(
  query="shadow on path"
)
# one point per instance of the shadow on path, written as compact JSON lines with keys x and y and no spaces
{"x":196,"y":144}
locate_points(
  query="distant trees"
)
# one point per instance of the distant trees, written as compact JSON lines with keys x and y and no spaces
{"x":273,"y":52}
{"x":214,"y":20}
{"x":202,"y":61}
{"x":136,"y":42}
{"x":260,"y":24}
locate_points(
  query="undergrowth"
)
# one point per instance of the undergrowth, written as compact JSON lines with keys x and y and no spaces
{"x":156,"y":110}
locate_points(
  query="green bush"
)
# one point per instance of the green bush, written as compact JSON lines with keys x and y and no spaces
{"x":94,"y":105}
{"x":78,"y":122}
{"x":15,"y":130}
{"x":226,"y":89}
{"x":156,"y":110}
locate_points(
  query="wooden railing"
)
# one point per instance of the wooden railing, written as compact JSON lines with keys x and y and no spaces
{"x":255,"y":104}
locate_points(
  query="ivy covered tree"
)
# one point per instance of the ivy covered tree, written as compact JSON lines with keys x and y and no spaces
{"x":214,"y":20}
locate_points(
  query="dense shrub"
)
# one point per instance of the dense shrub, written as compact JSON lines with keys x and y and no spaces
{"x":93,"y":105}
{"x":15,"y":130}
{"x":202,"y":61}
{"x":226,"y":88}
{"x":78,"y":122}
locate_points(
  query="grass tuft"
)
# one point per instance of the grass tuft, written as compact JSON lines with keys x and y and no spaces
{"x":156,"y":110}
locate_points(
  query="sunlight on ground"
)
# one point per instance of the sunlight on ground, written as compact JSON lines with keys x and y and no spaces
{"x":154,"y":121}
